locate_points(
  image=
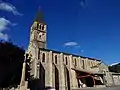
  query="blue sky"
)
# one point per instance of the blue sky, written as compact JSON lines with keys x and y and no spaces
{"x":84,"y":27}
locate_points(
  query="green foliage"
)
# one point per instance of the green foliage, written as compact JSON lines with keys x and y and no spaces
{"x":115,"y":68}
{"x":11,"y":60}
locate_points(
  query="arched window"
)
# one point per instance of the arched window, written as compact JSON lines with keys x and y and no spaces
{"x":66,"y":60}
{"x":40,"y":36}
{"x":55,"y":59}
{"x":43,"y":57}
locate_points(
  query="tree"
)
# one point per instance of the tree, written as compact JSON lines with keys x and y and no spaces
{"x":115,"y":68}
{"x":11,"y":60}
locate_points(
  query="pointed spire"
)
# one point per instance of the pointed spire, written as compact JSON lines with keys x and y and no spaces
{"x":39,"y":16}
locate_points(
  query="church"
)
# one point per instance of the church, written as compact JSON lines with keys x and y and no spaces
{"x":55,"y":70}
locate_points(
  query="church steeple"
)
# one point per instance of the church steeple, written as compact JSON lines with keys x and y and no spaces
{"x":38,"y":30}
{"x":39,"y":16}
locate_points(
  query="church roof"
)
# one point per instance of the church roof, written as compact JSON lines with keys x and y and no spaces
{"x":70,"y":54}
{"x":39,"y":16}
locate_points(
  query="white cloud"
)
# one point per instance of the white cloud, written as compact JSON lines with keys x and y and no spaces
{"x":4,"y":23}
{"x":82,"y":51}
{"x":9,"y":7}
{"x":71,"y":44}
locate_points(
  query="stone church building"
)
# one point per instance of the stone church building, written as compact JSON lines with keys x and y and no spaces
{"x":63,"y":71}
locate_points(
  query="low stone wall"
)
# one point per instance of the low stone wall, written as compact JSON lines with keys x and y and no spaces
{"x":116,"y":79}
{"x":99,"y":86}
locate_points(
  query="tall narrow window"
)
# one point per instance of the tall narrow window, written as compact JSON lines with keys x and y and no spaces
{"x":83,"y":64}
{"x":40,"y":27}
{"x":66,"y":60}
{"x":75,"y":62}
{"x":37,"y":25}
{"x":39,"y":54}
{"x":55,"y":59}
{"x":43,"y":57}
{"x":43,"y":27}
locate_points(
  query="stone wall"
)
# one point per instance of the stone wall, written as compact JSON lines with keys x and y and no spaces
{"x":116,"y":79}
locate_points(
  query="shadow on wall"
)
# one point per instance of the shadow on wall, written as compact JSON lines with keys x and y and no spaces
{"x":38,"y":84}
{"x":67,"y":79}
{"x":56,"y":78}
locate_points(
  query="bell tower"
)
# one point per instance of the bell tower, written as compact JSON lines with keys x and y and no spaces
{"x":38,"y":31}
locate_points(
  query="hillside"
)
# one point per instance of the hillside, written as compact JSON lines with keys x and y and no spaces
{"x":115,"y":68}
